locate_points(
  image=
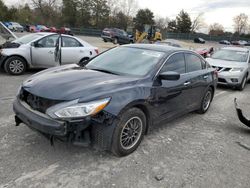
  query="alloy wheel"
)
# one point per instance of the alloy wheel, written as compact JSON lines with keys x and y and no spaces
{"x":16,"y":66}
{"x":207,"y":100}
{"x":131,"y":133}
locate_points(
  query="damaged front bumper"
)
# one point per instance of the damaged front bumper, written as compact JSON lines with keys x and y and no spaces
{"x":64,"y":130}
{"x":241,"y":117}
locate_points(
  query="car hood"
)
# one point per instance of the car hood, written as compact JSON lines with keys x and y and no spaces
{"x":5,"y":33}
{"x":226,"y":64}
{"x":74,"y":82}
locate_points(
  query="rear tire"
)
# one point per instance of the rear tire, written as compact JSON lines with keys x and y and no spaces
{"x":15,"y":65}
{"x":84,"y":61}
{"x":206,"y":101}
{"x":129,"y":132}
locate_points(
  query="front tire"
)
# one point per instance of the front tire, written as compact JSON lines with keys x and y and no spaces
{"x":15,"y":65}
{"x":129,"y":132}
{"x":206,"y":101}
{"x":243,"y":84}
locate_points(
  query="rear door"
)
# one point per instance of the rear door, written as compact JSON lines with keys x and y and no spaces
{"x":198,"y":80}
{"x":42,"y":53}
{"x":72,"y":50}
{"x":170,"y":96}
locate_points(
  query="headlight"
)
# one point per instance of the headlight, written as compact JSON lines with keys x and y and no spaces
{"x":236,"y":69}
{"x":80,"y":109}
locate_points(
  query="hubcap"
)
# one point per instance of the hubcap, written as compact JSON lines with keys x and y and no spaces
{"x":207,"y":100}
{"x":131,"y":133}
{"x":16,"y":66}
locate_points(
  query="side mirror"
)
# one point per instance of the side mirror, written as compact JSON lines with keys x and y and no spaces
{"x":169,"y":76}
{"x":34,"y":44}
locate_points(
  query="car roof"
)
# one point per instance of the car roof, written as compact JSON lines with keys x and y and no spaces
{"x":156,"y":47}
{"x":241,"y":49}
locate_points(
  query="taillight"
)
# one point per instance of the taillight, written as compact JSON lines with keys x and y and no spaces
{"x":96,"y":51}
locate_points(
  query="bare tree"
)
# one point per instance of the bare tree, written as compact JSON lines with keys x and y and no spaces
{"x":129,"y":7}
{"x":216,"y":29}
{"x":161,"y":23}
{"x":198,"y":22}
{"x":240,"y":23}
{"x":46,"y":9}
{"x":114,"y":6}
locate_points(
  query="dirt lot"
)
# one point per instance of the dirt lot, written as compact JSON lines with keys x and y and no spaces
{"x":210,"y":150}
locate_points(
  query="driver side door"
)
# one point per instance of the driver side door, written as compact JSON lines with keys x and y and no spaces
{"x":170,"y":95}
{"x":42,"y":52}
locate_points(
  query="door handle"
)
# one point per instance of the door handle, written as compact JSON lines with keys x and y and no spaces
{"x":50,"y":52}
{"x":187,"y":83}
{"x":205,"y":77}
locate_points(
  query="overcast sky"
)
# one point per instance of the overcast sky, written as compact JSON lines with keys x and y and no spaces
{"x":221,"y":11}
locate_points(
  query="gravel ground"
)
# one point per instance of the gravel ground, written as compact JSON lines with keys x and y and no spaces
{"x":210,"y":150}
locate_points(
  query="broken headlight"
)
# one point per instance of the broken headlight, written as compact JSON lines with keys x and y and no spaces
{"x":76,"y":110}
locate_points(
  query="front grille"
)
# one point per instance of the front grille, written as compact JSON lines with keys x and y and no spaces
{"x":222,"y":80}
{"x":219,"y":69}
{"x":35,"y":102}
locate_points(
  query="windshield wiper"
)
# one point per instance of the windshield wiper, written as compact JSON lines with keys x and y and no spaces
{"x":103,"y":70}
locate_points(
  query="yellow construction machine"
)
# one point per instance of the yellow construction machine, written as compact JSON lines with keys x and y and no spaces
{"x":150,"y":34}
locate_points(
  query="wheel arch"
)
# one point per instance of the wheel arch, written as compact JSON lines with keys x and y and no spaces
{"x":140,"y":104}
{"x":25,"y":60}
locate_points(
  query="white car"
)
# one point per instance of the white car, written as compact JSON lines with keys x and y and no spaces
{"x":14,"y":26}
{"x":233,"y":66}
{"x":42,"y":50}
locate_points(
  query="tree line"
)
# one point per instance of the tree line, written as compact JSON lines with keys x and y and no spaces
{"x":111,"y":13}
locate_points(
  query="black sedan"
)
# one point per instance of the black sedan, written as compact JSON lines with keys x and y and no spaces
{"x":199,"y":40}
{"x":117,"y":97}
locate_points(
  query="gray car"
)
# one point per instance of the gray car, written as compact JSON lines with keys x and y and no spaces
{"x":38,"y":50}
{"x":232,"y":64}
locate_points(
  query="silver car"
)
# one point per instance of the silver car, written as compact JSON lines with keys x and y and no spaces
{"x":233,"y":66}
{"x":40,"y":50}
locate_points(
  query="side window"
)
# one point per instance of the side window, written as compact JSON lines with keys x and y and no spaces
{"x":175,"y":63}
{"x":193,"y":62}
{"x":70,"y":42}
{"x":48,"y":42}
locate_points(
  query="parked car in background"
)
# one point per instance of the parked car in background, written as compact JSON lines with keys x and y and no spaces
{"x":7,"y":24}
{"x":205,"y":52}
{"x":199,"y":40}
{"x":117,"y":36}
{"x":33,"y":29}
{"x":169,"y":42}
{"x":5,"y":35}
{"x":248,"y":43}
{"x":42,"y":28}
{"x":14,"y":26}
{"x":242,"y":42}
{"x":53,"y":29}
{"x":26,"y":27}
{"x":233,"y":66}
{"x":117,"y":97}
{"x":65,"y":30}
{"x":37,"y":50}
{"x":226,"y":42}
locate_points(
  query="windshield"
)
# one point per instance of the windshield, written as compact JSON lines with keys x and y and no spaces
{"x":231,"y":55}
{"x":27,"y":38}
{"x":126,"y":61}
